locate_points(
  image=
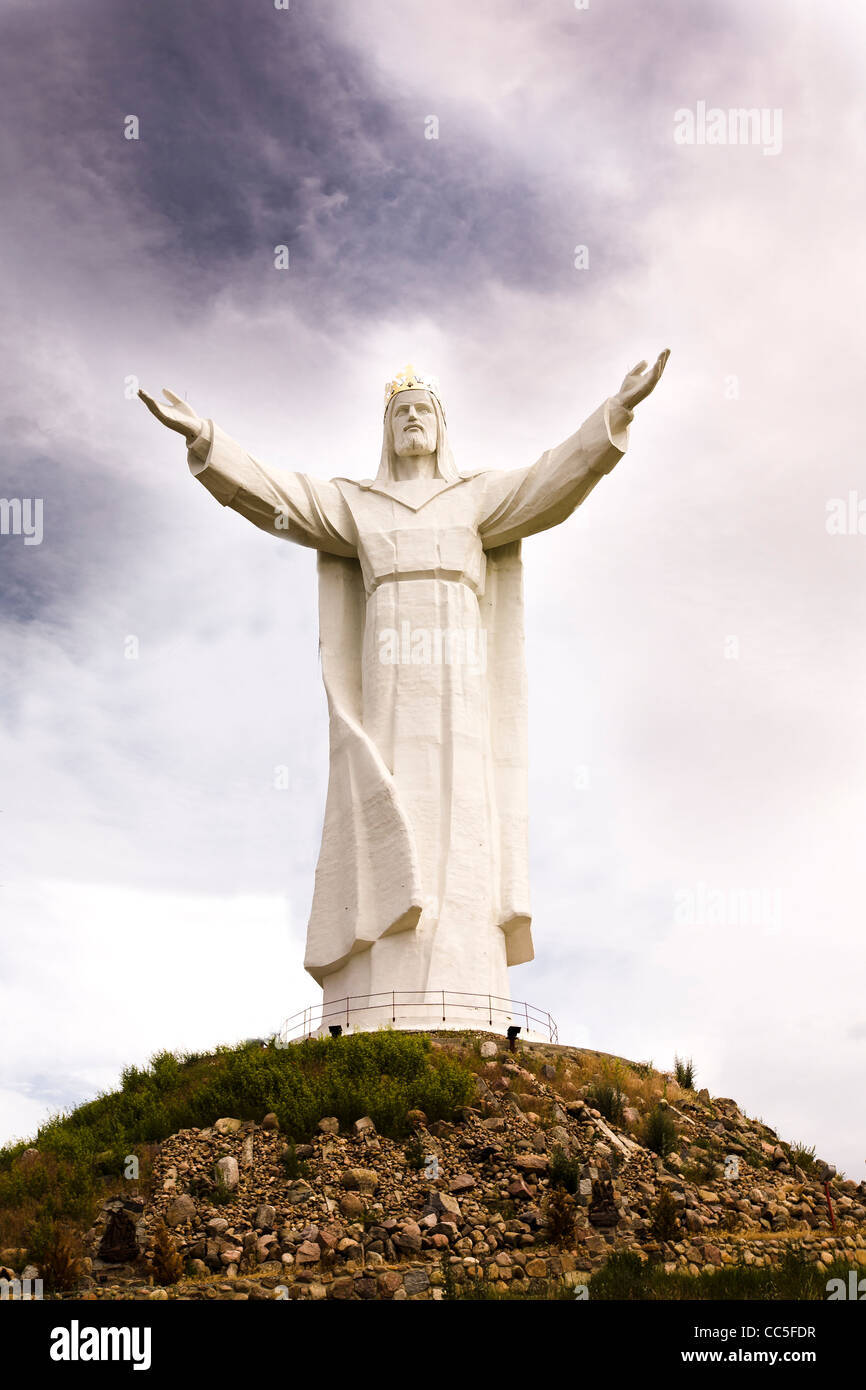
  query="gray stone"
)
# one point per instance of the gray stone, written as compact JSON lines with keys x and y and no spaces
{"x":408,"y":1242}
{"x":181,"y":1210}
{"x":416,"y":1281}
{"x":227,"y":1173}
{"x":265,"y":1217}
{"x":442,"y":1204}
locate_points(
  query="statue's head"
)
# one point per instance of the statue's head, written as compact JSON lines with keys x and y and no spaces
{"x":414,"y":429}
{"x":415,"y":424}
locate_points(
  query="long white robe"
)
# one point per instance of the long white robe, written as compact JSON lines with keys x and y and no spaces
{"x":422,"y":898}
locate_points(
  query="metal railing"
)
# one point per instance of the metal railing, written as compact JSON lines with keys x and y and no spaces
{"x":487,"y":1008}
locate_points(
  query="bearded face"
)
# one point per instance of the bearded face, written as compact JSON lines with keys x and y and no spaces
{"x":413,"y":424}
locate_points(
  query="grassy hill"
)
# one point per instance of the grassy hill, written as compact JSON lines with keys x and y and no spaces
{"x":569,"y":1163}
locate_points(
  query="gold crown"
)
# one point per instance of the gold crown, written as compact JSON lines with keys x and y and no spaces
{"x":410,"y":380}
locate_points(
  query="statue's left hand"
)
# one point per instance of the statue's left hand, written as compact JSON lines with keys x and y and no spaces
{"x":638,"y":382}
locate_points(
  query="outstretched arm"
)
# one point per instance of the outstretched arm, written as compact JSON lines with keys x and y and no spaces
{"x":518,"y":502}
{"x":290,"y":505}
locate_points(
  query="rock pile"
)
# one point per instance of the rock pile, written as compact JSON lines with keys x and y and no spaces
{"x":366,"y":1217}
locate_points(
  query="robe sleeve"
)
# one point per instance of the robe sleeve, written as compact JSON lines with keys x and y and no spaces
{"x":290,"y":505}
{"x":518,"y":502}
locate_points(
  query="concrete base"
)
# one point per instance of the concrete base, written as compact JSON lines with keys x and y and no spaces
{"x":430,"y":1024}
{"x":464,"y":1014}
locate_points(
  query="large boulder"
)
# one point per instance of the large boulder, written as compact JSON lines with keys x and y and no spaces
{"x":180,"y":1210}
{"x":226,"y":1172}
{"x":360,"y":1180}
{"x":227,"y":1125}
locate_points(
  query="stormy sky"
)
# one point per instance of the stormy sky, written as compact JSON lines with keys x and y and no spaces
{"x":695,"y":635}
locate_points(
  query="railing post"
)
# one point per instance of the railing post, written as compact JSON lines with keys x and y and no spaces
{"x":443,"y":1006}
{"x":393,"y":1007}
{"x":490,"y":1011}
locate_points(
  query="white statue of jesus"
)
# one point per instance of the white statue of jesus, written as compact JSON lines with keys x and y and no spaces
{"x":421,"y":893}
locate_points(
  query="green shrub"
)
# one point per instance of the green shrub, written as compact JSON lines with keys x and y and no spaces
{"x":221,"y":1194}
{"x":414,"y":1153}
{"x":560,"y":1212}
{"x":564,"y":1171}
{"x":804,"y":1156}
{"x":609,"y":1100}
{"x":684,"y":1069}
{"x":293,"y":1167}
{"x":660,"y":1132}
{"x":664,"y":1218}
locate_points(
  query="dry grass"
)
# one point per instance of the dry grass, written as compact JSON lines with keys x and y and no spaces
{"x":165,"y":1261}
{"x":57,"y":1250}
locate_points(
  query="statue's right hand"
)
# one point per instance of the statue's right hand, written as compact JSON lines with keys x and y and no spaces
{"x":177,"y":414}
